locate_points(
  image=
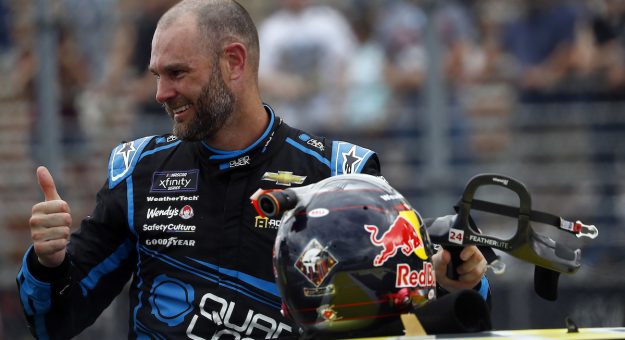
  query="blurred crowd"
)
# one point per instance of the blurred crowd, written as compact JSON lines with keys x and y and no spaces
{"x":355,"y":64}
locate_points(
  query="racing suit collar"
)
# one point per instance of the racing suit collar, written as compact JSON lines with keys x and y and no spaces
{"x":238,"y":158}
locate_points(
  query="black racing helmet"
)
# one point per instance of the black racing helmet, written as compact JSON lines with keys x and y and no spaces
{"x":351,"y":254}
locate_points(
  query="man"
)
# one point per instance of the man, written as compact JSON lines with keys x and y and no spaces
{"x":175,"y":214}
{"x":304,"y":73}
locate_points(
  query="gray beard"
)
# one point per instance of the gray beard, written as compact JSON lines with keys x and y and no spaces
{"x":213,"y":109}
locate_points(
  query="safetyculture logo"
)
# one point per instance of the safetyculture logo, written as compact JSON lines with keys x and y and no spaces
{"x":175,"y":181}
{"x":169,"y":228}
{"x":285,"y":178}
{"x":315,"y":262}
{"x":403,"y":234}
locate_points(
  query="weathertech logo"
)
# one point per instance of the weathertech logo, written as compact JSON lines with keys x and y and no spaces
{"x":285,"y":178}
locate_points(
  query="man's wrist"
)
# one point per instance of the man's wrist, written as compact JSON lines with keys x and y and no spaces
{"x":47,"y":274}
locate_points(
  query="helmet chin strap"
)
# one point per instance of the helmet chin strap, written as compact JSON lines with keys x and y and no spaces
{"x":550,"y":257}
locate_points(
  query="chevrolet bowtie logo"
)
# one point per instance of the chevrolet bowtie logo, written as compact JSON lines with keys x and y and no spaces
{"x":283,"y":178}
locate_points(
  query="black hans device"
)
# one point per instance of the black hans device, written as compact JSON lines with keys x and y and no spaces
{"x":549,"y":257}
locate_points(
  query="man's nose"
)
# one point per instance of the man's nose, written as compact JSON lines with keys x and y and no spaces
{"x":164,"y":91}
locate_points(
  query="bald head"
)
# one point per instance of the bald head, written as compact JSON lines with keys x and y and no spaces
{"x":219,"y":22}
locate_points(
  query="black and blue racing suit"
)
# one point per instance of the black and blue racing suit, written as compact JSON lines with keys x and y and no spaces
{"x":176,"y":217}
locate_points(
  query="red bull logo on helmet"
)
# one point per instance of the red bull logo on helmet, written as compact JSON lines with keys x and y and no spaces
{"x":411,"y":278}
{"x":403,"y":234}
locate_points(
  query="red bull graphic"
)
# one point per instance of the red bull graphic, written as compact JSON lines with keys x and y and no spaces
{"x":403,"y":234}
{"x":410,"y":278}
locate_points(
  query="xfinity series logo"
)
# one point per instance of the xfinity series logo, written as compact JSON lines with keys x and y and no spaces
{"x":175,"y":181}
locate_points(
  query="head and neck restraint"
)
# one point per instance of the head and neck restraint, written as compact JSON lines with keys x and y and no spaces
{"x":549,"y":257}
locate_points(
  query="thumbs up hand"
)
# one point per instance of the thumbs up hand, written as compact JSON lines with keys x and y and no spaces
{"x":50,"y":223}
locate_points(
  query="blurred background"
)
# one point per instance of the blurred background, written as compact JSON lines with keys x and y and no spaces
{"x":441,"y":89}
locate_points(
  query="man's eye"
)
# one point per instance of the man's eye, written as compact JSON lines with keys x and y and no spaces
{"x":177,"y":74}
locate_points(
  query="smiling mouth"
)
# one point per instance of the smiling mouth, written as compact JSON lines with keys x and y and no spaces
{"x":181,"y":109}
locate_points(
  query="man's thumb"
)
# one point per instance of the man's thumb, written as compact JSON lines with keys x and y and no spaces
{"x":46,"y":183}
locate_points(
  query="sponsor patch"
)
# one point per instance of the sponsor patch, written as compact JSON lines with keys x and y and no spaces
{"x":245,"y":160}
{"x":169,"y":228}
{"x":181,"y":198}
{"x":186,"y":212}
{"x":319,"y":212}
{"x":348,"y":158}
{"x":124,"y":158}
{"x":170,"y":242}
{"x":175,"y":181}
{"x":156,"y":212}
{"x":407,"y":277}
{"x":391,"y":197}
{"x":350,"y":161}
{"x":312,"y":142}
{"x":285,"y":178}
{"x":266,"y":223}
{"x":403,"y":235}
{"x":320,"y":291}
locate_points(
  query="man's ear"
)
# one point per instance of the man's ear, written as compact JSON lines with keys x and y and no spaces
{"x":235,"y":59}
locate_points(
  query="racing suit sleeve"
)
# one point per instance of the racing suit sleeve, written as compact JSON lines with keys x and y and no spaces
{"x":60,"y":302}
